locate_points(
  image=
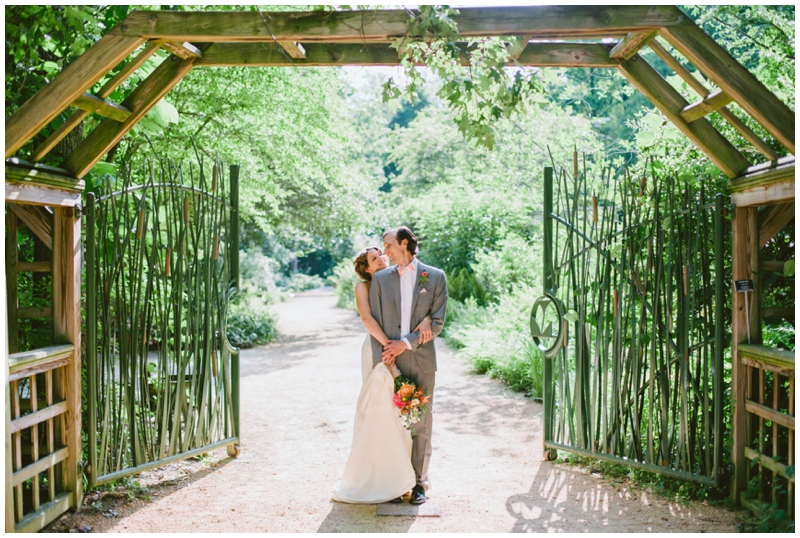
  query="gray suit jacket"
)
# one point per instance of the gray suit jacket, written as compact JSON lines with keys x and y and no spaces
{"x":384,"y":301}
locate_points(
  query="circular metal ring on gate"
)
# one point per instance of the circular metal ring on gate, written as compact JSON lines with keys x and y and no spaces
{"x":546,"y":312}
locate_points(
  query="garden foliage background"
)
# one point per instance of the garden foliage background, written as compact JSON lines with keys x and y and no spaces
{"x":327,"y":165}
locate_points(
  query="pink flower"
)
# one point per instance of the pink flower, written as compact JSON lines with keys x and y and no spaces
{"x":398,"y":402}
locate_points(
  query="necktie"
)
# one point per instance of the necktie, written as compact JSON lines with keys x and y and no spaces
{"x":402,"y":269}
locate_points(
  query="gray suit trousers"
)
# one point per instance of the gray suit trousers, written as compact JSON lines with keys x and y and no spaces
{"x":421,"y":431}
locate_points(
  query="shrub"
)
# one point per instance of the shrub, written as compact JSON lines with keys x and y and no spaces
{"x":344,"y":280}
{"x":251,"y":322}
{"x":496,"y":341}
{"x":516,"y":261}
{"x":298,"y":282}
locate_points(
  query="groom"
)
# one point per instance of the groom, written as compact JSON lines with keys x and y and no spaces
{"x":400,"y":297}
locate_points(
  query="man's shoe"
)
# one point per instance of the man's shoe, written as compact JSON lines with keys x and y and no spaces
{"x":417,"y":495}
{"x":397,"y":500}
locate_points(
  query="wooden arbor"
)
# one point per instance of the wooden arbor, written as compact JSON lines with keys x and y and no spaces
{"x":604,"y":36}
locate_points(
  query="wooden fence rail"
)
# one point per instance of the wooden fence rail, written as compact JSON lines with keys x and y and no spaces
{"x":40,"y":452}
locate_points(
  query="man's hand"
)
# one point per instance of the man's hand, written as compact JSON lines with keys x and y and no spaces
{"x":391,"y":350}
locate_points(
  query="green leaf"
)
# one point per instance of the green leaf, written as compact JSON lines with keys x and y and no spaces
{"x":645,"y":138}
{"x":163,"y":113}
{"x":666,"y":223}
{"x":788,"y":268}
{"x":103,"y":168}
{"x":571,"y":316}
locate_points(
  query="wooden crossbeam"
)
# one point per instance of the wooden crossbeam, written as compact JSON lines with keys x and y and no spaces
{"x":764,"y":185}
{"x":376,"y":54}
{"x":703,"y":108}
{"x":701,"y":90}
{"x":631,"y":44}
{"x":772,"y":220}
{"x":107,"y":109}
{"x":670,"y":103}
{"x":295,"y":50}
{"x":183,"y":50}
{"x":140,"y":101}
{"x":385,"y":25}
{"x":734,"y":79}
{"x":79,"y":115}
{"x":67,"y":86}
{"x":38,"y":221}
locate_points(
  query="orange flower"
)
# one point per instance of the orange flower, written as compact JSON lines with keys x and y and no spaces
{"x":418,"y":393}
{"x":425,"y":400}
{"x":406,"y":390}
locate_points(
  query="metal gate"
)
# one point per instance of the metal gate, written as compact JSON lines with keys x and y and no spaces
{"x":161,"y":264}
{"x":631,"y":323}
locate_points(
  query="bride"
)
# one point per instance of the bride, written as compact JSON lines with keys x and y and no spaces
{"x":379,"y":466}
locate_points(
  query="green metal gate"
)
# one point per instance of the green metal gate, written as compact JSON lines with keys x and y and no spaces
{"x":161,"y":264}
{"x":631,"y":323}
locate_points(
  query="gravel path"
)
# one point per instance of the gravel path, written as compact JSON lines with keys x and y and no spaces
{"x":298,"y":399}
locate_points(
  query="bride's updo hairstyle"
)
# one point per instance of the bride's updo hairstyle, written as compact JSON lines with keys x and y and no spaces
{"x":361,"y":264}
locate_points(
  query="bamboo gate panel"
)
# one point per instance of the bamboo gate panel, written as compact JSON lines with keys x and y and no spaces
{"x":160,"y":272}
{"x":636,"y":375}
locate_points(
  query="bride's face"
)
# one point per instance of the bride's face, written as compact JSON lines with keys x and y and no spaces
{"x":376,"y":261}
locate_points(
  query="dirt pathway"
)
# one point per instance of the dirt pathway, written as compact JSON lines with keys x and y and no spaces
{"x":298,"y":398}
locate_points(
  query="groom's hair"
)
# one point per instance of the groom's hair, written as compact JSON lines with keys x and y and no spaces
{"x":404,"y":232}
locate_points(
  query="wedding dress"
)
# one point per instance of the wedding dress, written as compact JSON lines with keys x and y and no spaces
{"x":379,"y":466}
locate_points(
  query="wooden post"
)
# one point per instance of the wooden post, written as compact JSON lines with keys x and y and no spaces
{"x":11,"y":282}
{"x":67,"y":254}
{"x":745,"y":266}
{"x":9,"y":468}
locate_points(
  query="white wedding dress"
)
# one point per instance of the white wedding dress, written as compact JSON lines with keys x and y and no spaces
{"x":379,"y":466}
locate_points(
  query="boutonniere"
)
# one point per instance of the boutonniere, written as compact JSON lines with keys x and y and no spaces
{"x":424,"y":277}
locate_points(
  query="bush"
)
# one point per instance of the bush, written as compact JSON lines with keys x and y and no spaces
{"x":496,"y":341}
{"x":258,"y":276}
{"x":251,"y":322}
{"x":516,"y":261}
{"x":344,"y":280}
{"x":298,"y":282}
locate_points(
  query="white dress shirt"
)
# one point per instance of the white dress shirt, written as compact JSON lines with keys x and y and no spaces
{"x":407,"y":281}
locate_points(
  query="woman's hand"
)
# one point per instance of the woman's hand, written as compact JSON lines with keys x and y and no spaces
{"x":425,"y":333}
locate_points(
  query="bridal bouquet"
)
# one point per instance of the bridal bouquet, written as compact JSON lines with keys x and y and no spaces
{"x":411,"y":401}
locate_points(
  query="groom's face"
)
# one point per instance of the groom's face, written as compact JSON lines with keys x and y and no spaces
{"x":393,"y":249}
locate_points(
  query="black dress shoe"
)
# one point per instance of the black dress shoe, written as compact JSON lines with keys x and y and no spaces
{"x":417,"y":495}
{"x":397,"y":500}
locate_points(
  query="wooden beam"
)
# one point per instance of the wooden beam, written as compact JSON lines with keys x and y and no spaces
{"x":293,"y":49}
{"x":12,"y":285}
{"x":25,"y":312}
{"x":78,"y":116}
{"x":320,"y":55}
{"x":631,"y":44}
{"x":701,"y":90}
{"x":23,"y":193}
{"x":183,"y":50}
{"x":734,"y":79}
{"x":772,"y":220}
{"x":385,"y":25}
{"x":38,"y":221}
{"x":104,"y":108}
{"x":42,"y":176}
{"x":34,"y":267}
{"x":762,"y":186}
{"x":67,"y":86}
{"x":670,"y":103}
{"x":67,"y":259}
{"x":140,"y":101}
{"x":703,"y":108}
